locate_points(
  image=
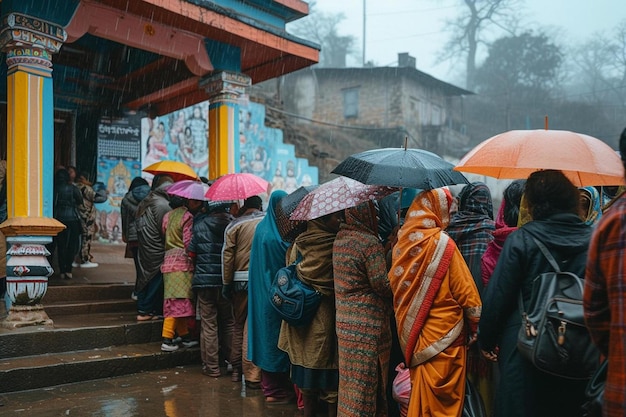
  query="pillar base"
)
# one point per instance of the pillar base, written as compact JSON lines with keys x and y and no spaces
{"x":23,"y":316}
{"x":36,"y":226}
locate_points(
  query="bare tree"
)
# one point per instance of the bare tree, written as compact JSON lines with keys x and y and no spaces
{"x":323,"y":28}
{"x":479,"y":21}
{"x":600,"y":67}
{"x":618,"y":55}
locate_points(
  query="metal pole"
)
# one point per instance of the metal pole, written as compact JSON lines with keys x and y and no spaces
{"x":364,"y":25}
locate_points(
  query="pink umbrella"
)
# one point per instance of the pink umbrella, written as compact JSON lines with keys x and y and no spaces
{"x":238,"y":186}
{"x":193,"y":190}
{"x":336,"y":195}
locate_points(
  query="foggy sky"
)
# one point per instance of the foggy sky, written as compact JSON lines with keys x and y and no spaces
{"x":416,"y":26}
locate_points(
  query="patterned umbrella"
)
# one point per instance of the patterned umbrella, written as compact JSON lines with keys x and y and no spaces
{"x":238,"y":186}
{"x":290,"y":229}
{"x":400,"y":167}
{"x":336,"y":195}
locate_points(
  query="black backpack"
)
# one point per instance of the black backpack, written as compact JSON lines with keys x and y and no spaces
{"x":553,"y":335}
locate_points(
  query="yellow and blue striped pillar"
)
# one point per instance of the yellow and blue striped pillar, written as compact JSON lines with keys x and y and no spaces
{"x":225,"y":89}
{"x":29,"y":44}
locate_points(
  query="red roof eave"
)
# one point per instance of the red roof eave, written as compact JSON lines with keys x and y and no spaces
{"x":270,"y":49}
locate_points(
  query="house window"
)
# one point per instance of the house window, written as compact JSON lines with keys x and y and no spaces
{"x":351,"y":103}
{"x":436,"y":116}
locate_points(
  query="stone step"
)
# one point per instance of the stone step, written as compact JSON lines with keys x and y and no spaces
{"x":56,"y":293}
{"x":71,"y":333}
{"x":31,"y":372}
{"x":57,"y":309}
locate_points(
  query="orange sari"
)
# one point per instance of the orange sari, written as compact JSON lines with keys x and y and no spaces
{"x":435,"y":301}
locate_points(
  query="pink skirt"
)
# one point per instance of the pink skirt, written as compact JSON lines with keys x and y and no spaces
{"x":178,"y":307}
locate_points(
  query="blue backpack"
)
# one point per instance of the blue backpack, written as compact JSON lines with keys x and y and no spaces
{"x":295,"y":301}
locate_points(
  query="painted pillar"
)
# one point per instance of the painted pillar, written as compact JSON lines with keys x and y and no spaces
{"x":224,"y":89}
{"x":29,"y":43}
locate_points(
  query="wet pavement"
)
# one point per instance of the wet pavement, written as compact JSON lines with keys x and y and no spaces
{"x":113,"y":268}
{"x":176,"y":392}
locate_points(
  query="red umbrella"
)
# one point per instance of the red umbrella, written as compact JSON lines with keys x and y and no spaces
{"x":336,"y":195}
{"x":238,"y":186}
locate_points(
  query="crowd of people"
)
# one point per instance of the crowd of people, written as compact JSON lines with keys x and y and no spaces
{"x":437,"y":296}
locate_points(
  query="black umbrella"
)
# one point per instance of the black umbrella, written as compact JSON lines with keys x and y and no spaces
{"x":400,"y":167}
{"x":290,"y":229}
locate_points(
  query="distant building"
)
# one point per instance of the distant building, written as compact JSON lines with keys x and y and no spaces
{"x":400,"y":101}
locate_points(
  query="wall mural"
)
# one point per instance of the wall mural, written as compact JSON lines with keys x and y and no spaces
{"x":263,"y":153}
{"x":180,"y":136}
{"x":119,"y":156}
{"x":126,"y":146}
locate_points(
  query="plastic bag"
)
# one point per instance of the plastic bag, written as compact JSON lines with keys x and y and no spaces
{"x":401,"y":388}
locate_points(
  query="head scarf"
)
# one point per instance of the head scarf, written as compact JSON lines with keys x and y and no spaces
{"x":494,"y":248}
{"x":472,"y":226}
{"x":474,"y":203}
{"x":269,"y":235}
{"x":267,"y":256}
{"x":594,"y":205}
{"x":427,"y":217}
{"x":421,"y":258}
{"x":315,"y":245}
{"x":362,"y":218}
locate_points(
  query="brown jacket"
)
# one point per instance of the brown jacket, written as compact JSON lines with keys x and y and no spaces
{"x":237,"y":244}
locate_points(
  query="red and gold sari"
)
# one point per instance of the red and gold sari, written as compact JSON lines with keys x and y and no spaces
{"x":435,"y":302}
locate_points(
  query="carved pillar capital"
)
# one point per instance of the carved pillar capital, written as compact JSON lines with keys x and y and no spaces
{"x":225,"y":86}
{"x":28,"y":40}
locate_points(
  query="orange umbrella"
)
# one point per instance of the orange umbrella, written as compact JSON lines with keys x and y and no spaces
{"x":176,"y":169}
{"x":516,"y":154}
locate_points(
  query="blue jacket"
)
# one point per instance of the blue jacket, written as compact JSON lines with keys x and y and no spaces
{"x":206,"y":243}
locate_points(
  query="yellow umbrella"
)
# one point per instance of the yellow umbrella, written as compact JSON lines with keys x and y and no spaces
{"x":176,"y":169}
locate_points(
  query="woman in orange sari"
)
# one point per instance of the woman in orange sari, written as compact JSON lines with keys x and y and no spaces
{"x":437,"y":306}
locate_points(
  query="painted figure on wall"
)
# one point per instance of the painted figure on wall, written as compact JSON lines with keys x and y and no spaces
{"x":263,"y":152}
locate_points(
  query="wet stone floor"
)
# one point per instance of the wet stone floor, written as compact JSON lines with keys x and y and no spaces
{"x":177,"y":392}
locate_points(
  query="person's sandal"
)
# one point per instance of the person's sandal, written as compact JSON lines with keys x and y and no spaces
{"x":144,"y":317}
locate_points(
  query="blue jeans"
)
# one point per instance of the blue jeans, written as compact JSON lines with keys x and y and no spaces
{"x":150,"y":298}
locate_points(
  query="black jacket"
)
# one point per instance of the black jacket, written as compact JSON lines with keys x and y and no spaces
{"x":525,"y":391}
{"x":521,"y":260}
{"x":149,"y":222}
{"x":207,"y":243}
{"x":128,"y":211}
{"x":67,"y":198}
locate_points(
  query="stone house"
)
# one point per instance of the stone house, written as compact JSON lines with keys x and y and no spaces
{"x":395,"y":102}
